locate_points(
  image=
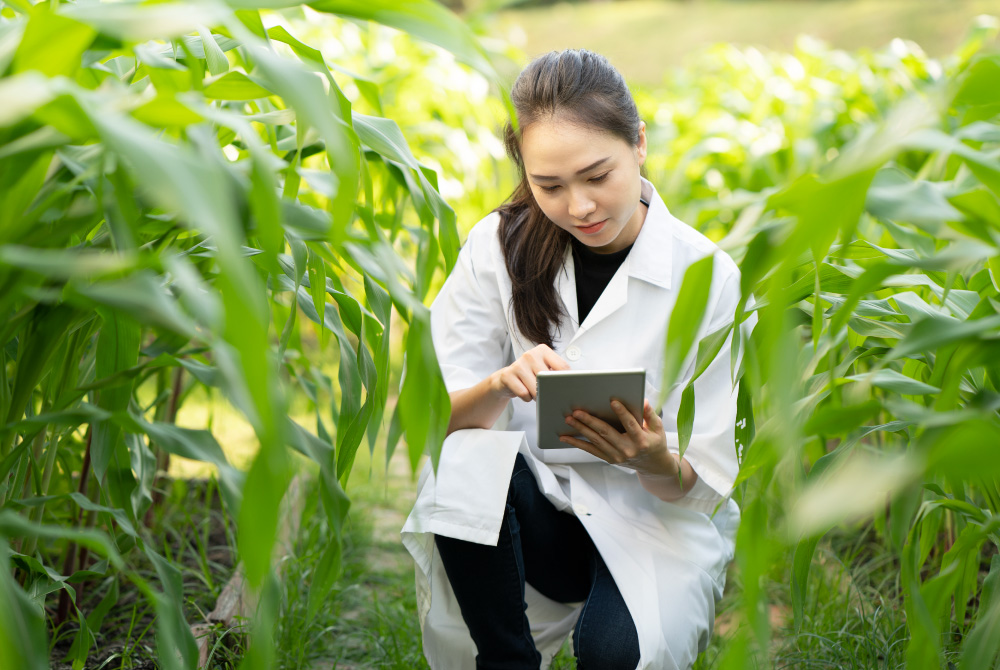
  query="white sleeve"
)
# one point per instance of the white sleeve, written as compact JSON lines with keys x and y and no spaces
{"x":468,"y":317}
{"x":712,"y":449}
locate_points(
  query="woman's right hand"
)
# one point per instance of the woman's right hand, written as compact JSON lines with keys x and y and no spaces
{"x":518,"y":380}
{"x":481,"y":405}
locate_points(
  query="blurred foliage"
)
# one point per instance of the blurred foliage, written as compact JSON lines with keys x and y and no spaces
{"x":743,"y":120}
{"x":859,"y":195}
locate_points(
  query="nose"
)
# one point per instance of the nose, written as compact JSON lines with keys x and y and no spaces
{"x":581,"y":205}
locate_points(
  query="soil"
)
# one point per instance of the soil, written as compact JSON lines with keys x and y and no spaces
{"x":189,"y":512}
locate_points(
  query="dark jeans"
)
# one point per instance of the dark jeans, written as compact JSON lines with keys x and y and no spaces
{"x":551,"y":551}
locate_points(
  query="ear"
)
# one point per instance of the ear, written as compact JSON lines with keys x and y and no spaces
{"x":641,"y":146}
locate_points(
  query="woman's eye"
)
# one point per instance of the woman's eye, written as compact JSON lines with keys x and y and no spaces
{"x":550,"y":189}
{"x":599,"y":178}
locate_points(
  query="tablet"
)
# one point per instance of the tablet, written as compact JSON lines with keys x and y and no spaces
{"x":562,"y":391}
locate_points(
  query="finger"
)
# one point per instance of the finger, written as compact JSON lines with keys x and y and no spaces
{"x":515,"y":384}
{"x":522,"y":371}
{"x":583,"y":445}
{"x":653,"y":420}
{"x":608,"y":450}
{"x":554,"y":361}
{"x":632,"y":426}
{"x":541,"y":359}
{"x":600,"y":427}
{"x":529,"y":382}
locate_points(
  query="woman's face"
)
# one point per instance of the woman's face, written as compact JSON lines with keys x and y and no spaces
{"x":586,"y":180}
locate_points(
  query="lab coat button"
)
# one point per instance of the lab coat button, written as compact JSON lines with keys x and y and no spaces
{"x":581,"y":509}
{"x":573,"y":353}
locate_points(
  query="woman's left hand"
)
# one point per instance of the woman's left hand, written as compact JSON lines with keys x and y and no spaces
{"x":641,"y":447}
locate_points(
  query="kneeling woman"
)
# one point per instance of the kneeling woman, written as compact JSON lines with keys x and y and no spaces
{"x":516,"y":547}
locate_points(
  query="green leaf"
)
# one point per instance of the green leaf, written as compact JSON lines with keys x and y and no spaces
{"x":301,"y":49}
{"x":45,"y":332}
{"x":685,"y":418}
{"x":336,"y":506}
{"x":933,"y":333}
{"x":23,"y":642}
{"x":20,"y":185}
{"x":214,"y":56}
{"x":985,"y":166}
{"x":384,"y":137}
{"x":117,"y":349}
{"x":235,"y":86}
{"x":45,"y":29}
{"x":66,"y":263}
{"x":982,"y":645}
{"x":317,"y":288}
{"x":844,"y":448}
{"x":424,"y":405}
{"x":142,"y":297}
{"x":895,"y":196}
{"x":426,"y":19}
{"x":173,"y":634}
{"x":894,"y":381}
{"x":197,"y":445}
{"x":801,"y":566}
{"x":685,"y":320}
{"x":980,"y":84}
{"x":708,"y":348}
{"x":304,"y":92}
{"x":837,"y":420}
{"x":22,"y":95}
{"x":745,"y":424}
{"x":324,"y":577}
{"x":81,"y":644}
{"x":967,"y":449}
{"x":14,"y":525}
{"x":832,"y":279}
{"x":853,"y":490}
{"x":824,"y":207}
{"x":141,"y":23}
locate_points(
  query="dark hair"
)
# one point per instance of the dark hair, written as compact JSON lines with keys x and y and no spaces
{"x":581,"y":87}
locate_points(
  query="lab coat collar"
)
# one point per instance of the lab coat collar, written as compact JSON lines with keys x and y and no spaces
{"x":650,"y":260}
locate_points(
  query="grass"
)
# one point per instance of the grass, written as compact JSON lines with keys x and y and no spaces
{"x":646,"y":38}
{"x":370,"y":620}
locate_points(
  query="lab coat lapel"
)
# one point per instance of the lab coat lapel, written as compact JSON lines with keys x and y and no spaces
{"x":566,"y":288}
{"x":613,"y":297}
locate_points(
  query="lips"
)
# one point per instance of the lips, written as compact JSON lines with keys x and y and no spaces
{"x":592,"y":228}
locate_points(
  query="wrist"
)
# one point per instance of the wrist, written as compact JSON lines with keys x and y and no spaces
{"x":496,"y":387}
{"x":666,"y":465}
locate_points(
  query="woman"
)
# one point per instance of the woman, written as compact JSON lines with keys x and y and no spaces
{"x":516,"y":547}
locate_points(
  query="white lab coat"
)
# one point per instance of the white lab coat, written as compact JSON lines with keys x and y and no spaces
{"x":668,"y":559}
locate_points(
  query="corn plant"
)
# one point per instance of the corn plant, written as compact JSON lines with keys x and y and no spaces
{"x":871,"y":385}
{"x":188,"y":201}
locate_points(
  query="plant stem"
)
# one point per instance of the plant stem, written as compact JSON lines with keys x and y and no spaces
{"x":70,"y":560}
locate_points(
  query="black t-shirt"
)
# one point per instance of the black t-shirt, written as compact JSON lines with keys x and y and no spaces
{"x":593,"y":273}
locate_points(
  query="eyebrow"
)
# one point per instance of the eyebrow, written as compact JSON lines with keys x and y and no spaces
{"x":538,"y":177}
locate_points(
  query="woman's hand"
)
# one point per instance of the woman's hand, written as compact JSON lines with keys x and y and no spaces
{"x":481,"y":405}
{"x":641,"y":447}
{"x":519,"y":379}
